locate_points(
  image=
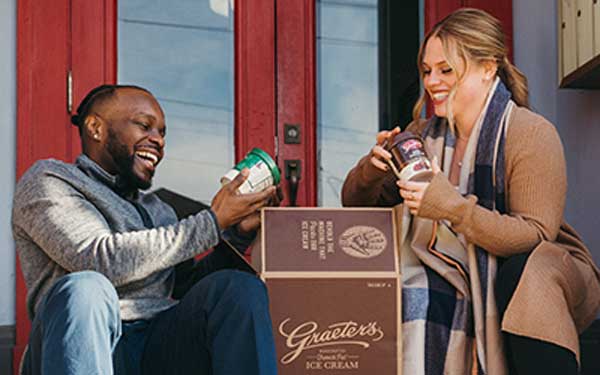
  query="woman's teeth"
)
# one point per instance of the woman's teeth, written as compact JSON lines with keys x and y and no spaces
{"x":439,"y":96}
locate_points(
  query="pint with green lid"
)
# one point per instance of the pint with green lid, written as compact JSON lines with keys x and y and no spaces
{"x":263,"y":172}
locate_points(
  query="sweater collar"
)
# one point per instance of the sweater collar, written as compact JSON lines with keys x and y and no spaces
{"x":114,"y":182}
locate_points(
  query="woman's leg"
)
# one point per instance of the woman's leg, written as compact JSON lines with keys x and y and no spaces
{"x":526,"y":355}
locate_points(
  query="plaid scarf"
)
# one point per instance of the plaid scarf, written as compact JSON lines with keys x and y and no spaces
{"x":450,"y":320}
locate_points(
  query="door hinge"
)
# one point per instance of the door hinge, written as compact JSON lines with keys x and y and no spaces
{"x":69,"y":92}
{"x":276,"y":148}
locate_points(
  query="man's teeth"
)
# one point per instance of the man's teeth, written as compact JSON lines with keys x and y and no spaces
{"x":440,"y":96}
{"x":148,"y":156}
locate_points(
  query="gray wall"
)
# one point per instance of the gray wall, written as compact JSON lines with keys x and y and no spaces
{"x":576,"y":113}
{"x":7,"y":158}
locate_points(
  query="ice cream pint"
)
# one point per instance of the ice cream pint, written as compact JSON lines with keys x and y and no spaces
{"x":263,"y":172}
{"x":409,"y":159}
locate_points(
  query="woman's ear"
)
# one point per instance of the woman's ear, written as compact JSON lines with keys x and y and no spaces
{"x":490,"y":68}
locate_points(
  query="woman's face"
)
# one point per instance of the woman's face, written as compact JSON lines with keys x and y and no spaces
{"x":439,"y":79}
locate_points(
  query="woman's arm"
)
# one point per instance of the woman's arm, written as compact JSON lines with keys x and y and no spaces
{"x":536,"y":189}
{"x":369,"y":185}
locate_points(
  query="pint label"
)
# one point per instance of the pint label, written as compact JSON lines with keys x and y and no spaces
{"x":259,"y":179}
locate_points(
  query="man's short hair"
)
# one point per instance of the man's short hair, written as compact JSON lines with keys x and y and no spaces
{"x":97,"y":95}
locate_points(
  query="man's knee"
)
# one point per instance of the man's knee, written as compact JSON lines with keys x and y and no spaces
{"x":248,"y":289}
{"x":244,"y":290}
{"x":84,"y":293}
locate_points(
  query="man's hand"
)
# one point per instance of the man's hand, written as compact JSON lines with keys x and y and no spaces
{"x":230,"y":207}
{"x":251,"y":223}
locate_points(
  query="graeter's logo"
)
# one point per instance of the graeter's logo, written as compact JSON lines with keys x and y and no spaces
{"x":362,"y":241}
{"x":308,"y":336}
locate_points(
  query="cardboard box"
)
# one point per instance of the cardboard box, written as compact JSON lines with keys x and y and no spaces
{"x":334,"y":287}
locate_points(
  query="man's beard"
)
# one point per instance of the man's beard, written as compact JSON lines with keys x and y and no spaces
{"x":124,"y":162}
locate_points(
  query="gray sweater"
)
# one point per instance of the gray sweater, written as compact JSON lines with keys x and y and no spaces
{"x":75,"y":217}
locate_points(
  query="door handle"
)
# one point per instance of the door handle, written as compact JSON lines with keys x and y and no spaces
{"x":292,"y":174}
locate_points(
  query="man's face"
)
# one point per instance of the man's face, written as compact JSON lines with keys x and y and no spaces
{"x":134,"y":142}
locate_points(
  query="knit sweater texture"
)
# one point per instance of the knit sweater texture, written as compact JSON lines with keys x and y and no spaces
{"x":75,"y":217}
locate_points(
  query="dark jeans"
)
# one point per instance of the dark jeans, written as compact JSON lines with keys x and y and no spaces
{"x":526,"y":355}
{"x":221,"y":326}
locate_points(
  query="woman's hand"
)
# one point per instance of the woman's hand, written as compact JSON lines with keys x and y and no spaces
{"x":413,"y":192}
{"x":379,"y":155}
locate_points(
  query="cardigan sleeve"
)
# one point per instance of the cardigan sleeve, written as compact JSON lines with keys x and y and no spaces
{"x":366,"y":185}
{"x":536,"y":188}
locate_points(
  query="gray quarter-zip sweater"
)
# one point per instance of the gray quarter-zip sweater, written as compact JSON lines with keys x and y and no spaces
{"x":75,"y":217}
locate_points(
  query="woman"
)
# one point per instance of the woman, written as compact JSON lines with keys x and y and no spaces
{"x":484,"y":248}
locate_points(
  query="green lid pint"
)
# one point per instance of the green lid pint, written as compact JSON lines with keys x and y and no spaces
{"x":263,"y":172}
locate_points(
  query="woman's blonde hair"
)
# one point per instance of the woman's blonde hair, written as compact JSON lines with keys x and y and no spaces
{"x":473,"y":35}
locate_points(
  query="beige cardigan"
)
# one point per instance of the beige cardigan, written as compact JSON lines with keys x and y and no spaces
{"x":559,"y":292}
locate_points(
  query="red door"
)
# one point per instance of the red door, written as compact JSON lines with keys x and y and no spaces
{"x":81,"y":44}
{"x":296,"y":98}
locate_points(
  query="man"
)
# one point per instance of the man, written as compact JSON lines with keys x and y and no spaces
{"x":99,"y":258}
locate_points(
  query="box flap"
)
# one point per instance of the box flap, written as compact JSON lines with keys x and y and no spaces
{"x":329,"y":240}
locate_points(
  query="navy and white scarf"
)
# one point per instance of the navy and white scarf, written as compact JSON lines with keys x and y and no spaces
{"x":450,"y":319}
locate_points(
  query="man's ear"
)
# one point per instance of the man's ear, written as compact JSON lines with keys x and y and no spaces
{"x":94,"y":128}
